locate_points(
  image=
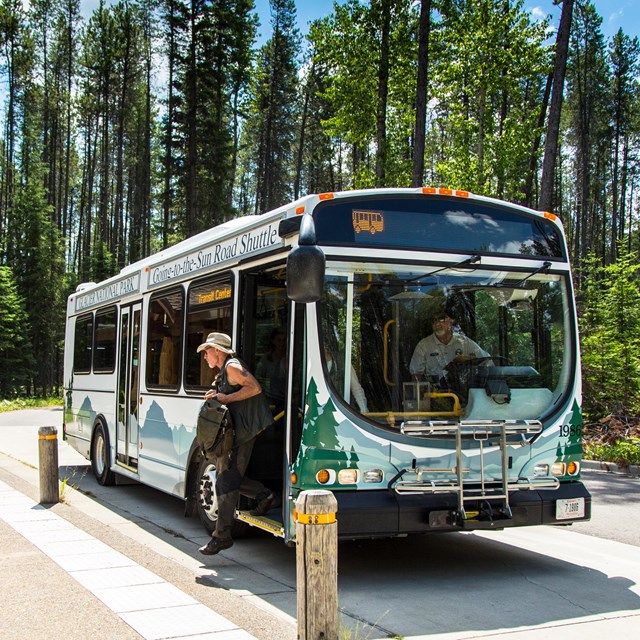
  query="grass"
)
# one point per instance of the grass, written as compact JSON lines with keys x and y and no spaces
{"x":344,"y":633}
{"x":30,"y":403}
{"x":623,"y":452}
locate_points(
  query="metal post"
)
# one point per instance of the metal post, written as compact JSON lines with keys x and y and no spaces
{"x":317,"y":565}
{"x":48,"y":463}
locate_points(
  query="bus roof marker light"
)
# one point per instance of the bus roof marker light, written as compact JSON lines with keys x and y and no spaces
{"x":462,"y":194}
{"x":429,"y":190}
{"x":299,"y":211}
{"x":550,"y":216}
{"x":326,"y":196}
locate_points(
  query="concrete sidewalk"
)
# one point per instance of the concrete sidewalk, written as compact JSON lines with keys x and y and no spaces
{"x":81,"y":577}
{"x":141,"y":599}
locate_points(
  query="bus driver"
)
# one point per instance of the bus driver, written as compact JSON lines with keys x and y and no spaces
{"x":433,"y":353}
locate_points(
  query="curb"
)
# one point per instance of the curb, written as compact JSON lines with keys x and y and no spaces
{"x":611,"y":467}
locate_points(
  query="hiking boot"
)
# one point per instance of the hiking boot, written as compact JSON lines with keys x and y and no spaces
{"x":263,"y":505}
{"x":215,"y":545}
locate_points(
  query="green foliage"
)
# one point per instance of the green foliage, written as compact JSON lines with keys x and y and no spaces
{"x":30,"y":403}
{"x":610,"y":334}
{"x":624,"y":452}
{"x":16,"y":359}
{"x":489,"y":72}
{"x":270,"y":134}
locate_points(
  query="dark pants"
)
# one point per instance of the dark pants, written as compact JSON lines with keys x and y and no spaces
{"x":231,"y":483}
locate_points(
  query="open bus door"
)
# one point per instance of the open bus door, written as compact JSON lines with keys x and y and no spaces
{"x":128,"y":387}
{"x":264,"y":343}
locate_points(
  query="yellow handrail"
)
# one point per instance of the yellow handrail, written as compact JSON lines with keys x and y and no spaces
{"x":385,"y":352}
{"x":391,"y":416}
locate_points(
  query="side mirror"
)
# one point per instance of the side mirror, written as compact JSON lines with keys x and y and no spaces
{"x":305,"y":266}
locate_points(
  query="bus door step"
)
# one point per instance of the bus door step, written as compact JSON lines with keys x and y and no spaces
{"x":261,"y":522}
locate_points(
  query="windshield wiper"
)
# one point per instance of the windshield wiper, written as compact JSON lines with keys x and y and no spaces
{"x":543,"y":269}
{"x":467,"y":261}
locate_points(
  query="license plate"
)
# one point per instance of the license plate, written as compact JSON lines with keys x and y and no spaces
{"x":569,"y":508}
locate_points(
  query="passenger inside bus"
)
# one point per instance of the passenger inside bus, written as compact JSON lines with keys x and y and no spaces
{"x":338,"y":377}
{"x":271,"y":369}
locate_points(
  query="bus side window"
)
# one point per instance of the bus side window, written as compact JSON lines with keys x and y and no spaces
{"x":164,"y":338}
{"x":208,"y":309}
{"x":83,"y":344}
{"x":104,"y":360}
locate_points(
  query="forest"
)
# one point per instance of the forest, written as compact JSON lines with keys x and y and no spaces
{"x":148,"y":121}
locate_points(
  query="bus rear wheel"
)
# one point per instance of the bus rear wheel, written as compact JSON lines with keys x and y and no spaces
{"x":100,"y":458}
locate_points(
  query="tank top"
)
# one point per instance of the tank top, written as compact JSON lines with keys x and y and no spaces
{"x":250,"y":416}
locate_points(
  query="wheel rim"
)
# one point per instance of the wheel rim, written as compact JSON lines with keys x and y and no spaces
{"x":207,"y":498}
{"x":99,"y":455}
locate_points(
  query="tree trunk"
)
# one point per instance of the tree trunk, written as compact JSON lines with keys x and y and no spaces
{"x":421,"y":94}
{"x":553,"y":127}
{"x":383,"y":93}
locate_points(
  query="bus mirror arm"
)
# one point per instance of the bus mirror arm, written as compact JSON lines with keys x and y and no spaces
{"x":305,"y":266}
{"x":307,"y":231}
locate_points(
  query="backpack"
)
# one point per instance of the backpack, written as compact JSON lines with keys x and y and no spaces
{"x":214,"y":429}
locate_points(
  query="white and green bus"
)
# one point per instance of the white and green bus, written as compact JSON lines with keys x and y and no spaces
{"x":352,"y":280}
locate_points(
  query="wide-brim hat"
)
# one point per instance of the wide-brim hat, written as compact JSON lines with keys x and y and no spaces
{"x":220,"y":341}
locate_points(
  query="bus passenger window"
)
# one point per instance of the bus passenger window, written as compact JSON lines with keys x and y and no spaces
{"x":209,"y":309}
{"x":82,"y":344}
{"x":104,"y":360}
{"x":164,"y":338}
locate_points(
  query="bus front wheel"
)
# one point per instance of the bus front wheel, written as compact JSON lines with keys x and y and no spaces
{"x":100,"y":458}
{"x":206,"y":499}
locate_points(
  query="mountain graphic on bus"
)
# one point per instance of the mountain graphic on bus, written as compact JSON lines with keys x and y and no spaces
{"x":371,"y":221}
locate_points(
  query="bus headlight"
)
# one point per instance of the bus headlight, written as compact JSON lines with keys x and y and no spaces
{"x":373,"y":475}
{"x":541,"y":470}
{"x":348,"y":476}
{"x":558,"y":469}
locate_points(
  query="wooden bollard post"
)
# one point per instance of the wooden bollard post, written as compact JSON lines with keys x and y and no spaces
{"x":48,"y":462}
{"x":317,"y":565}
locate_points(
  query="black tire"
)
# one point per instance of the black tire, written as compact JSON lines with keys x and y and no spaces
{"x":207,"y":501}
{"x":205,"y":494}
{"x":100,"y":459}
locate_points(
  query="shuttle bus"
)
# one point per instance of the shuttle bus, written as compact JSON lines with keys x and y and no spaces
{"x":352,"y":280}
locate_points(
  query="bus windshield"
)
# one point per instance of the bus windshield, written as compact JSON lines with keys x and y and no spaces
{"x":440,"y":343}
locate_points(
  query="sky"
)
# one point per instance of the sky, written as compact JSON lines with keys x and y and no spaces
{"x":615,"y":14}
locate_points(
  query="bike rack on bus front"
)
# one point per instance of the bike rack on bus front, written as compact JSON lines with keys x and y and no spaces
{"x":502,"y":432}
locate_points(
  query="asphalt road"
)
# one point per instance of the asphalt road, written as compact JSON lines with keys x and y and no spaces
{"x":581,"y":581}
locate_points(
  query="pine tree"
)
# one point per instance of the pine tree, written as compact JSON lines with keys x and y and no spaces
{"x":16,"y":358}
{"x":588,"y":132}
{"x":273,"y":112}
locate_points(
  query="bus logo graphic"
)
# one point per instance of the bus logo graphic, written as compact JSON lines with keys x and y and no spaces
{"x":371,"y":221}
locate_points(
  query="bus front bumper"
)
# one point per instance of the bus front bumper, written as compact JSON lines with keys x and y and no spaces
{"x":364,"y":514}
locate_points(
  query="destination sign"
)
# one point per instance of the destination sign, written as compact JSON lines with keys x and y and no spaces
{"x":215,"y":254}
{"x":214,"y":295}
{"x":109,"y":292}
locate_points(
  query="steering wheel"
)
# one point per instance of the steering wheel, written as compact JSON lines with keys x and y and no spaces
{"x":463,"y":373}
